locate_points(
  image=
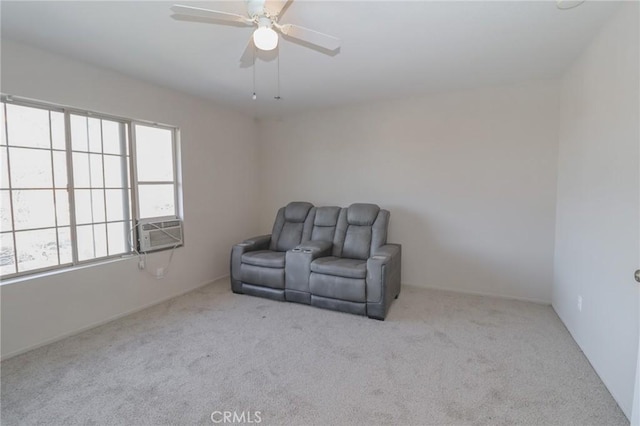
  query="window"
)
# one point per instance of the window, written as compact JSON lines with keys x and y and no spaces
{"x":74,"y":183}
{"x":155,"y":165}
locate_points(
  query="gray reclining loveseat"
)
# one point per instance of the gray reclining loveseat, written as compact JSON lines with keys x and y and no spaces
{"x":329,"y":257}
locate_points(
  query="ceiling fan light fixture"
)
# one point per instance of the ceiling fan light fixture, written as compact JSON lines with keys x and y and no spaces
{"x":265,"y":38}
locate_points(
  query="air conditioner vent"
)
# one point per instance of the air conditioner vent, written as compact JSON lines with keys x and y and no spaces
{"x":157,"y":235}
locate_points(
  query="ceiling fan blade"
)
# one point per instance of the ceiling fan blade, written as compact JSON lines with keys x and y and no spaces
{"x":316,"y":38}
{"x":277,"y":7}
{"x":196,"y":12}
{"x":249,"y":56}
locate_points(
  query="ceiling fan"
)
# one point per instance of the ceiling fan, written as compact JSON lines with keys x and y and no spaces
{"x":264,"y":15}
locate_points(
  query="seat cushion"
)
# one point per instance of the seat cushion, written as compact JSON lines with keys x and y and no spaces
{"x":266,"y":258}
{"x":340,"y":267}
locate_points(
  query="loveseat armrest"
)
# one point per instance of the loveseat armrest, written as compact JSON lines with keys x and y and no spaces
{"x":260,"y":242}
{"x":388,"y":251}
{"x":298,"y":269}
{"x":383,"y":279}
{"x":252,"y":244}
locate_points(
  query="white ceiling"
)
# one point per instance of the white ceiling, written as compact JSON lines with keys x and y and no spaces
{"x":390,"y":49}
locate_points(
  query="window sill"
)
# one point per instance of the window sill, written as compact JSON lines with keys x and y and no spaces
{"x":52,"y":272}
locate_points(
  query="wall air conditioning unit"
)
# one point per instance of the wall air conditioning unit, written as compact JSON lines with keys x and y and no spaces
{"x":158,"y":234}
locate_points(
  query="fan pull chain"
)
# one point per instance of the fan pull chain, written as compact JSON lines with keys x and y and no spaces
{"x":277,"y":97}
{"x":254,"y":97}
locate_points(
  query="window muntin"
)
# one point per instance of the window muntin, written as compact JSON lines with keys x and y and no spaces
{"x":66,"y":185}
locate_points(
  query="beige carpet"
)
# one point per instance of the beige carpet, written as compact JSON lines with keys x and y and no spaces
{"x":440,"y":358}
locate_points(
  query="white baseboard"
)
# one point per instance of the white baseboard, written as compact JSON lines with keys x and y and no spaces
{"x":481,"y":293}
{"x":105,"y":321}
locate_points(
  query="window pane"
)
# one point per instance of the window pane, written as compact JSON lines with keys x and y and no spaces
{"x":57,"y":130}
{"x":5,"y":212}
{"x":111,"y":137}
{"x":92,"y":241}
{"x":33,"y":209}
{"x":117,"y":238}
{"x":36,"y":249}
{"x":97,"y":202}
{"x":156,"y":200}
{"x":113,"y":171}
{"x":60,"y":169}
{"x":79,"y":133}
{"x":62,"y":207}
{"x":115,"y":204}
{"x":81,"y":177}
{"x":87,"y":170}
{"x":95,"y":135}
{"x":28,"y":126}
{"x":96,"y":170}
{"x":30,"y":168}
{"x":154,"y":152}
{"x":4,"y":173}
{"x":64,"y":245}
{"x":89,"y":205}
{"x":7,"y":255}
{"x":84,"y":234}
{"x":83,"y":206}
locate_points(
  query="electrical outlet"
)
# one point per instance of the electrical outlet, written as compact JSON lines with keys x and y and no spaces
{"x":580,"y":303}
{"x":160,"y":273}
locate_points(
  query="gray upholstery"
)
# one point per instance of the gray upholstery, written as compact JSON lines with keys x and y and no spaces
{"x":359,"y":251}
{"x":258,"y":275}
{"x":256,"y":243}
{"x":258,"y":265}
{"x":383,"y":279}
{"x":341,"y":267}
{"x":298,"y":266}
{"x":362,"y":214}
{"x":361,"y":229}
{"x":260,"y":291}
{"x":339,"y":305}
{"x":266,"y":258}
{"x":298,"y":261}
{"x":324,"y":223}
{"x":291,"y":226}
{"x":329,"y":257}
{"x":342,"y":288}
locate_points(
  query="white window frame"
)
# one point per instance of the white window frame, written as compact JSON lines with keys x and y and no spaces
{"x":132,"y":211}
{"x":176,"y":168}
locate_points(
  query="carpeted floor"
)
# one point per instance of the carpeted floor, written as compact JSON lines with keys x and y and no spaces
{"x":439,"y":358}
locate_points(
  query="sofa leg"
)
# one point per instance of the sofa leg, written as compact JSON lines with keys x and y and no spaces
{"x":397,"y":295}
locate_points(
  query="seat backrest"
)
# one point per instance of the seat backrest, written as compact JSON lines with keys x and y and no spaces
{"x":292,"y":226}
{"x":361,"y":230}
{"x":325,"y":221}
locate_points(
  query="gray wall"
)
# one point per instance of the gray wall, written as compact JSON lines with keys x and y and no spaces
{"x":598,"y":197}
{"x":469,"y":178}
{"x":219,"y":200}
